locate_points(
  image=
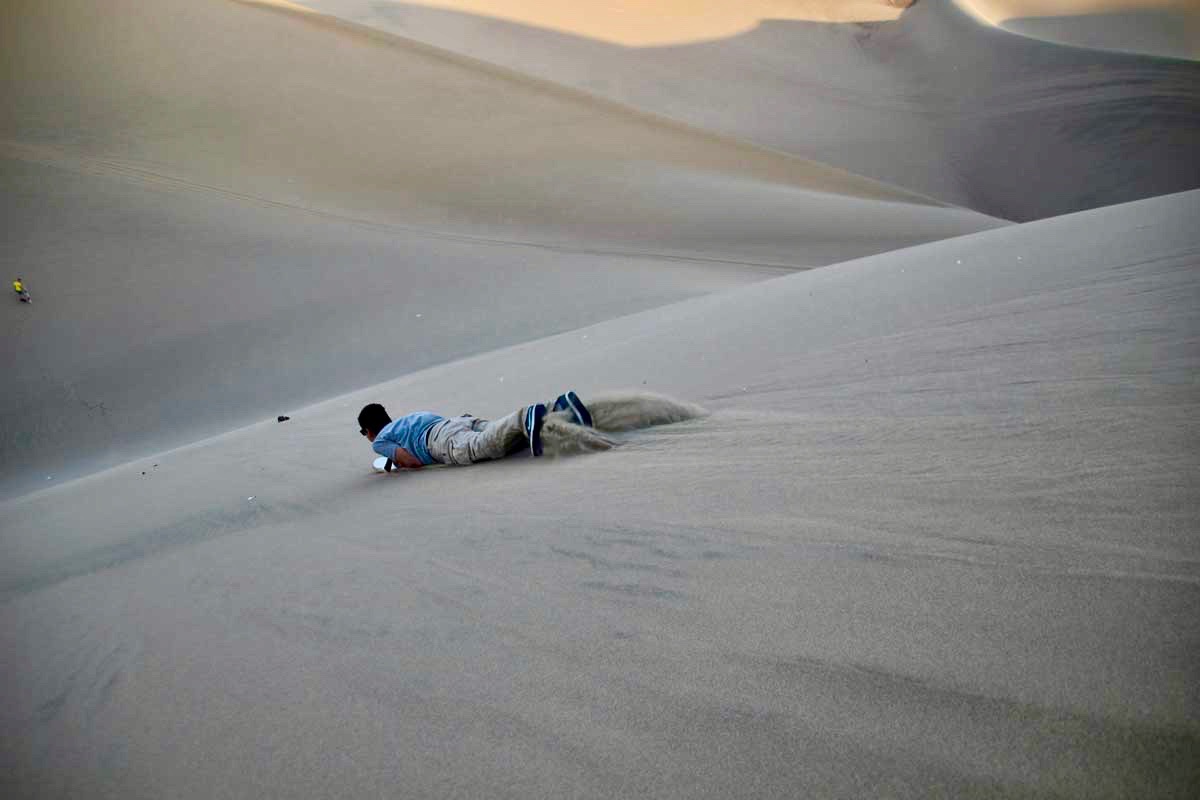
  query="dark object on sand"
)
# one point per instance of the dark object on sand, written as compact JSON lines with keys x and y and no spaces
{"x":282,"y":418}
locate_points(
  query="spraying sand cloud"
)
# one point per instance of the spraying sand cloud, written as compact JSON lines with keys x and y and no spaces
{"x":614,"y":412}
{"x":626,"y":411}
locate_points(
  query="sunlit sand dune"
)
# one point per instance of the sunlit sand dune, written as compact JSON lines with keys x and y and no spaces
{"x":997,"y":12}
{"x":642,"y":23}
{"x":1158,"y":27}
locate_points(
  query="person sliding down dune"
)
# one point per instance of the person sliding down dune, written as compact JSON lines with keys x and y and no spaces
{"x":423,"y":438}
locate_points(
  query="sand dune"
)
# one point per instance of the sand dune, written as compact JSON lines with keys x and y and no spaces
{"x":1157,"y":27}
{"x":935,"y":101}
{"x":936,"y":536}
{"x":921,"y":522}
{"x":997,"y":12}
{"x":162,"y":315}
{"x":382,"y":129}
{"x":187,"y":198}
{"x":642,"y":23}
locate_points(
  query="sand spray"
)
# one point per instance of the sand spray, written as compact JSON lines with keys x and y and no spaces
{"x":613,"y":412}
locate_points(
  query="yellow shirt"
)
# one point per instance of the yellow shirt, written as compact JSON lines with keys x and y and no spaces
{"x":18,"y":286}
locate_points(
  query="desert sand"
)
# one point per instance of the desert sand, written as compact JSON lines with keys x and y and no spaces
{"x":928,"y":526}
{"x":162,"y":167}
{"x":642,"y":23}
{"x":936,"y":102}
{"x":1169,"y":28}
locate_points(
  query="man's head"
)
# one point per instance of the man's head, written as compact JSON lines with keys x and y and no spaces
{"x":372,"y":419}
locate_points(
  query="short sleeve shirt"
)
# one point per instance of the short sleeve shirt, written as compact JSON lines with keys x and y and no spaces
{"x":407,"y":432}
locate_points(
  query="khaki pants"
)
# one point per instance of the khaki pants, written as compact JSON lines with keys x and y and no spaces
{"x":466,"y":439}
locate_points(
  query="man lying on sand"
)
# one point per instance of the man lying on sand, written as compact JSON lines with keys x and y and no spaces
{"x":416,"y":440}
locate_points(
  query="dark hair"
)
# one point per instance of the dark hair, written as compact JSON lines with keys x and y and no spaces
{"x":373,"y":418}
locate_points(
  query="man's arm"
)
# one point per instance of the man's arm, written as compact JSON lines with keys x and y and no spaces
{"x":399,"y":457}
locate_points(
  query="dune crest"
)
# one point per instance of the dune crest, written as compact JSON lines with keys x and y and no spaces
{"x":1151,"y":27}
{"x":360,"y":181}
{"x":656,"y":23}
{"x":998,"y":11}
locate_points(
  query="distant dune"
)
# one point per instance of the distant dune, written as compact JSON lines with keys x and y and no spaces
{"x":1155,"y":27}
{"x":936,"y":101}
{"x":650,"y":23}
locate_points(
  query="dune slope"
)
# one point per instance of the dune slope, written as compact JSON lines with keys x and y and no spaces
{"x":935,"y":101}
{"x":226,"y":210}
{"x":164,"y":315}
{"x":937,"y":536}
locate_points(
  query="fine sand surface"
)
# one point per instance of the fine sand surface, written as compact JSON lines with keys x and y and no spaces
{"x":919,"y":522}
{"x":224,"y":212}
{"x":162,"y":316}
{"x":937,"y":101}
{"x":936,"y":536}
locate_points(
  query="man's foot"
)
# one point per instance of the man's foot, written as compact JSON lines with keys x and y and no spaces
{"x":571,"y":402}
{"x":534,"y":416}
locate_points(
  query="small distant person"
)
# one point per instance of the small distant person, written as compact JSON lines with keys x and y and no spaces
{"x":424,"y":438}
{"x":19,"y":288}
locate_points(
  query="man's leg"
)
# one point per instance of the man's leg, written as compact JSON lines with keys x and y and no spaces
{"x":502,"y":437}
{"x":535,"y":417}
{"x":468,"y":440}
